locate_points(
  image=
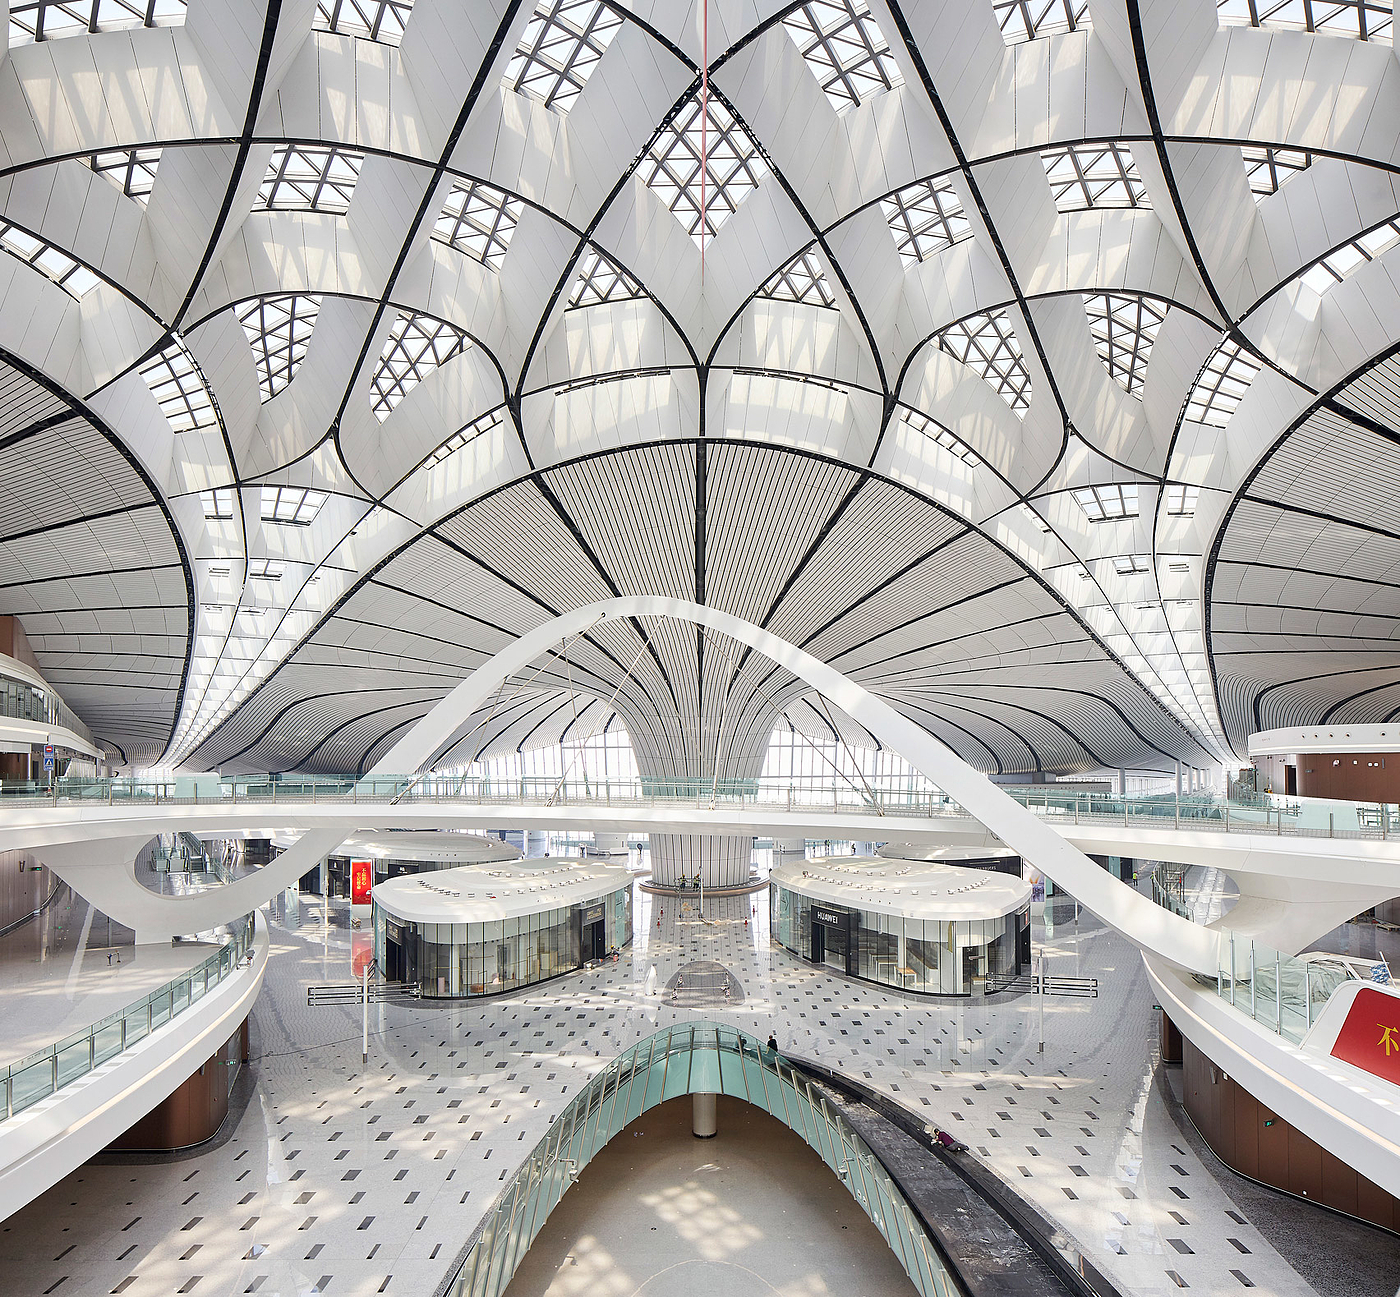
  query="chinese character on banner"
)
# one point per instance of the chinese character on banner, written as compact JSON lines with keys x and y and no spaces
{"x":1370,"y":1037}
{"x":361,"y":879}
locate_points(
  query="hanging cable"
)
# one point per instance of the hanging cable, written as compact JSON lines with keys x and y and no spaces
{"x":704,"y":123}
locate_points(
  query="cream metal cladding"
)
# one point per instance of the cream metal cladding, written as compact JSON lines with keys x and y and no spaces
{"x":1037,"y":376}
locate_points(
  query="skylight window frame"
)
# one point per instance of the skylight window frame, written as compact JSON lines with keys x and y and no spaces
{"x":1252,"y":13}
{"x":1125,"y":323}
{"x":265,"y":569}
{"x":670,"y":167}
{"x":802,"y":279}
{"x":1021,"y":21}
{"x":460,"y":224}
{"x":582,"y":30}
{"x":218,"y":505}
{"x":601,"y":280}
{"x":309,"y":178}
{"x":380,"y":21}
{"x":409,"y":345}
{"x":133,"y":171}
{"x":1089,"y":176}
{"x":1108,"y":501}
{"x":925,"y":218}
{"x":464,"y":436}
{"x":278,"y":328}
{"x":291,"y":506}
{"x":1132,"y":564}
{"x":86,"y":17}
{"x":61,"y":268}
{"x":1268,"y":168}
{"x":177,"y":383}
{"x":1180,"y":499}
{"x":1222,"y":383}
{"x":1001,"y":366}
{"x":1328,"y":271}
{"x":841,"y":41}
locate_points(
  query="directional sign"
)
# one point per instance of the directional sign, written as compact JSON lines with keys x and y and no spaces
{"x":48,"y":761}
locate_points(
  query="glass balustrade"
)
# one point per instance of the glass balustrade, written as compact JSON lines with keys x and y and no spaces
{"x":1282,"y":992}
{"x":696,"y":1058}
{"x":39,"y":1074}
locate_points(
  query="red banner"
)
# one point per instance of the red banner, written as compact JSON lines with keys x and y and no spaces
{"x":361,"y":879}
{"x":1370,"y":1037}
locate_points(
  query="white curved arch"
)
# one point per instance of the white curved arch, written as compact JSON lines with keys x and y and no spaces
{"x":1177,"y":940}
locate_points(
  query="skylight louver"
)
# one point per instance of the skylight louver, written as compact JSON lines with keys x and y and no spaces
{"x":278,"y":329}
{"x":843,"y":45}
{"x":940,"y":436}
{"x":375,"y":20}
{"x":1124,"y":329}
{"x":418,"y":343}
{"x":601,"y":279}
{"x":562,"y":44}
{"x":671,"y":167}
{"x":1222,"y":383}
{"x":1093,"y":175}
{"x":987,"y":344}
{"x":458,"y":440}
{"x":309,"y":178}
{"x":479,"y":219}
{"x":925,"y":218}
{"x":1028,"y":20}
{"x":801,"y":280}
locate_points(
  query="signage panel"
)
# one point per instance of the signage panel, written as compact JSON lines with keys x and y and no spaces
{"x":1370,"y":1037}
{"x":393,"y":929}
{"x":832,"y":918}
{"x":361,"y":880}
{"x":592,"y":914}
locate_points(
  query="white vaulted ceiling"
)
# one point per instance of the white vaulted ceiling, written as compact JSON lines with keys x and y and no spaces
{"x":1031,"y":361}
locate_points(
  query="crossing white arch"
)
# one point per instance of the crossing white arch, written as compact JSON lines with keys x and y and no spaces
{"x":108,"y":881}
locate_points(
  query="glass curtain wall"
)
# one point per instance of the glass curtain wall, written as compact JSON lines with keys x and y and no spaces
{"x":811,"y":766}
{"x":927,"y":956}
{"x":602,"y":758}
{"x":468,"y":959}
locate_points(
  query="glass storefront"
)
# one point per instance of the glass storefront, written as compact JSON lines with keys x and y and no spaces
{"x":927,"y":956}
{"x":468,"y":959}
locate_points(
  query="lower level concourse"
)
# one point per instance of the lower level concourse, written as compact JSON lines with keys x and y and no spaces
{"x":333,"y":1176}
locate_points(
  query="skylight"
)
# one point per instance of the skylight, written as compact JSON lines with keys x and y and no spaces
{"x":1338,"y":264}
{"x":601,"y":279}
{"x":843,"y":45}
{"x":1093,"y":175}
{"x":179,"y":388}
{"x":375,"y":20}
{"x":671,"y":167}
{"x":45,"y":20}
{"x":1268,"y":168}
{"x":278,"y":329}
{"x":133,"y":171}
{"x":925,"y":218}
{"x":479,"y":220}
{"x":940,"y":436}
{"x":1028,"y":20}
{"x":1124,"y":329}
{"x":801,"y":280}
{"x":67,"y":273}
{"x":458,"y":440}
{"x":291,"y":506}
{"x":218,"y":506}
{"x":263,"y":569}
{"x":563,"y":42}
{"x":987,"y":343}
{"x":418,"y":343}
{"x":1131,"y":564}
{"x":309,"y":178}
{"x":1367,"y":20}
{"x":1221,"y":385}
{"x":1181,"y":500}
{"x":1108,"y":503}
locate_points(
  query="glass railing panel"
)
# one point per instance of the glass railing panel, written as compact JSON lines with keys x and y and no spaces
{"x":107,"y":1042}
{"x":30,"y":1084}
{"x":138,"y":1023}
{"x":74,"y":1060}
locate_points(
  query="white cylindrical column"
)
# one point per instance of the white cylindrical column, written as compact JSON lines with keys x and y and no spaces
{"x":720,"y":861}
{"x":790,"y":846}
{"x":704,"y":1120}
{"x":609,"y":844}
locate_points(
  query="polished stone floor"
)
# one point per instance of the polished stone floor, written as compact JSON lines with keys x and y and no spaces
{"x":349,"y":1179}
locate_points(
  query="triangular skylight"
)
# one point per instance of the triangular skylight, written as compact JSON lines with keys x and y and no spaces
{"x":478,"y":219}
{"x":278,"y":330}
{"x":987,"y":344}
{"x":133,"y":171}
{"x":1028,"y":20}
{"x":843,"y":45}
{"x":802,"y":280}
{"x":601,"y":279}
{"x":563,"y":42}
{"x":417,"y":344}
{"x":671,"y":166}
{"x":925,"y":218}
{"x":375,"y":20}
{"x":1124,"y":328}
{"x":1268,"y":168}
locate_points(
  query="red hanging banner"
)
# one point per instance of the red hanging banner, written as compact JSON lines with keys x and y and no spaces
{"x":1370,"y":1037}
{"x":361,"y":880}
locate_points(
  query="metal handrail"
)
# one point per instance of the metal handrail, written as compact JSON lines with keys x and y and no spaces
{"x":41,"y":1073}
